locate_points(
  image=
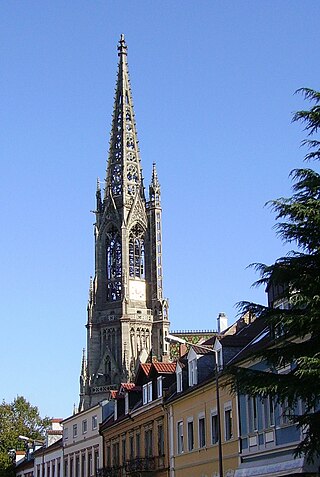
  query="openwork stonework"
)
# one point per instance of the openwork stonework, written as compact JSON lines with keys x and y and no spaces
{"x":127,"y":315}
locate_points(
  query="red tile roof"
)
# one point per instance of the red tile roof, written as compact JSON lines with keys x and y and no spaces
{"x":146,"y":368}
{"x":164,"y":367}
{"x":130,"y":387}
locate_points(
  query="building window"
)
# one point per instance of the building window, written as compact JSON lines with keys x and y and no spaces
{"x":136,"y":252}
{"x":83,"y":465}
{"x":252,"y":414}
{"x":108,"y":453}
{"x":84,"y":426}
{"x":94,"y":422}
{"x":126,"y":403}
{"x":115,"y":454}
{"x":193,"y":372}
{"x":96,"y":461}
{"x":180,"y":437}
{"x":77,"y":470}
{"x":268,"y":405}
{"x":124,"y":450}
{"x":65,"y":433}
{"x":144,"y":394}
{"x":71,"y":468}
{"x":160,"y":440}
{"x":190,"y":435}
{"x":89,"y":465}
{"x":75,"y":430}
{"x":66,"y":468}
{"x":137,"y":445}
{"x":159,"y":386}
{"x":148,"y":439}
{"x":202,"y":431}
{"x":53,"y":470}
{"x":214,"y":427}
{"x":228,"y":424}
{"x":114,"y":271}
{"x":131,"y":444}
{"x":149,"y":391}
{"x":179,"y":381}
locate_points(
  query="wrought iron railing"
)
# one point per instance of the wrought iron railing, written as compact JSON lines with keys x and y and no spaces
{"x":133,"y":466}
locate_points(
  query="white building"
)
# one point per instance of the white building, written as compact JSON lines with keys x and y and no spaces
{"x":82,"y":443}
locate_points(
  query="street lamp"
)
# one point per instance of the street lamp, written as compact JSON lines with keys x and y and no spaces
{"x":206,"y":348}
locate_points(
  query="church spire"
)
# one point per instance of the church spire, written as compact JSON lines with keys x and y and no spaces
{"x":124,"y":173}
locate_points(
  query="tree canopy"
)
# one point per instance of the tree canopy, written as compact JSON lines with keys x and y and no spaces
{"x":294,"y":327}
{"x":18,"y":418}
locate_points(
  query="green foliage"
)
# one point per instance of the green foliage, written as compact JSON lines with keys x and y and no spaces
{"x":18,"y":418}
{"x":295,"y":331}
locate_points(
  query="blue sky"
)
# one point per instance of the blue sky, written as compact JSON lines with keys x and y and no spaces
{"x":213,"y":85}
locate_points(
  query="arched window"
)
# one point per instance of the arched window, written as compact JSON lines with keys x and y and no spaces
{"x":113,"y":244}
{"x":136,"y":252}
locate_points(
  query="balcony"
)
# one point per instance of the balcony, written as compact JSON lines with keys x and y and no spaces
{"x":133,"y":467}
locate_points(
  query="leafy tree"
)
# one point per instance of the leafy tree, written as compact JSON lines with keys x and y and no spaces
{"x":18,"y":418}
{"x":295,"y":331}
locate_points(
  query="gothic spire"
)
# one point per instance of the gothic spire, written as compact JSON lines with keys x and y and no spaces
{"x":154,"y":189}
{"x":124,"y":173}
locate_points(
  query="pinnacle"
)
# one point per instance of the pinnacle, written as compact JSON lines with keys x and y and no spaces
{"x":122,"y":47}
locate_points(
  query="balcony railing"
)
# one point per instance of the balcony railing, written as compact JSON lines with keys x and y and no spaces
{"x":133,"y":467}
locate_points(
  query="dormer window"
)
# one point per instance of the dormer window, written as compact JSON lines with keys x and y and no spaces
{"x":150,"y":391}
{"x":147,"y":393}
{"x":126,"y":403}
{"x":144,"y":394}
{"x":159,"y":386}
{"x":218,"y":354}
{"x":193,"y":378}
{"x":179,"y":379}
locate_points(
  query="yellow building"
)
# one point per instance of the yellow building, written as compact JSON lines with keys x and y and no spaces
{"x":135,"y":438}
{"x":195,"y":449}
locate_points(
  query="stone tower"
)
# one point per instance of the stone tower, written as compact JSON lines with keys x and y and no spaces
{"x":127,"y":314}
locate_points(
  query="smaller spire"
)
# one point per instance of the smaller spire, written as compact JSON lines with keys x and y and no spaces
{"x":154,"y":177}
{"x":91,"y":290}
{"x":154,"y":188}
{"x":122,"y":47}
{"x":83,"y":364}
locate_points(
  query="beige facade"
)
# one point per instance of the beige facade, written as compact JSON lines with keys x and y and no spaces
{"x":137,"y":445}
{"x":194,"y":449}
{"x":82,"y":443}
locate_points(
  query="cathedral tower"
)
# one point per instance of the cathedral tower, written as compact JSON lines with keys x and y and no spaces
{"x":127,"y":314}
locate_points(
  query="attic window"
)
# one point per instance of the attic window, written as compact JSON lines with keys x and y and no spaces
{"x":179,"y":380}
{"x":159,"y":386}
{"x":193,"y":372}
{"x":147,"y":393}
{"x":126,"y":403}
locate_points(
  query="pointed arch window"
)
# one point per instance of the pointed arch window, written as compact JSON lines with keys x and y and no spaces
{"x":114,"y":265}
{"x":136,"y":252}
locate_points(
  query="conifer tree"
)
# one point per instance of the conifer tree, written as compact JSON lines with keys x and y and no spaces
{"x":295,"y":327}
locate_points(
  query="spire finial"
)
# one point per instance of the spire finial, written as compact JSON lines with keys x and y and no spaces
{"x":122,"y":47}
{"x":154,"y":178}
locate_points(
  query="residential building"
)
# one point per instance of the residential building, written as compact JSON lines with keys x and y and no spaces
{"x":268,"y":433}
{"x":199,"y":415}
{"x":127,"y":311}
{"x":82,"y":443}
{"x":136,"y":436}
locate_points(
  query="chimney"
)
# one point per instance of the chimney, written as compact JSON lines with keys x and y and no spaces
{"x":222,"y":321}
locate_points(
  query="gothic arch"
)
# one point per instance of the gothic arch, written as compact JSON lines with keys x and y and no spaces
{"x":113,"y":263}
{"x":137,"y":251}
